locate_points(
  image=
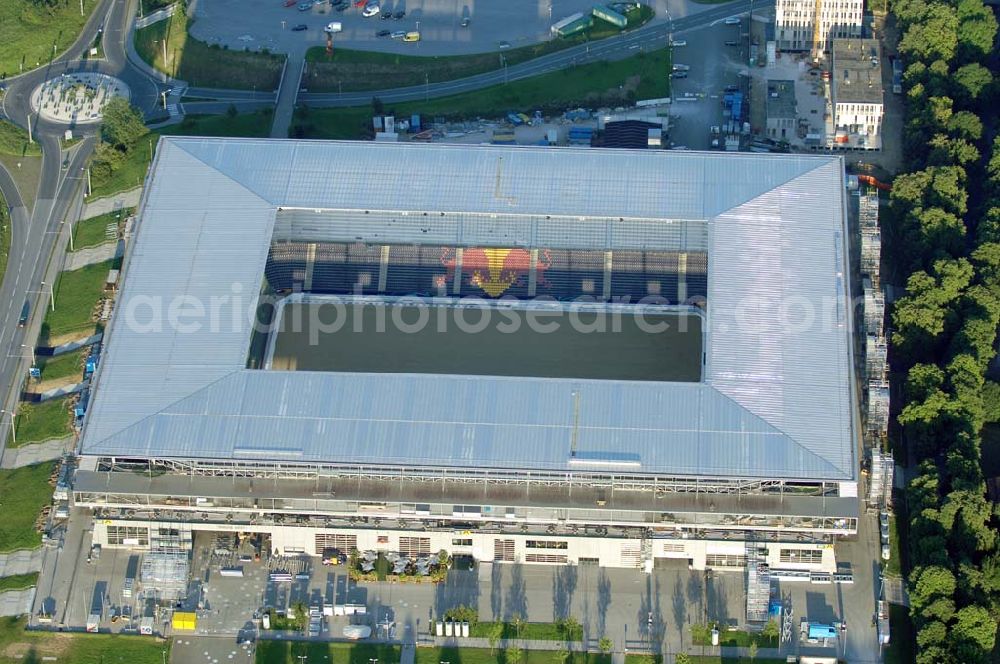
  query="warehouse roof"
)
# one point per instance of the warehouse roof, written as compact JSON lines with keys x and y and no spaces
{"x":776,"y":400}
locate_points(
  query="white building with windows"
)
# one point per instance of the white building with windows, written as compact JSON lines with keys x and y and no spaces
{"x":795,"y":22}
{"x":856,"y":94}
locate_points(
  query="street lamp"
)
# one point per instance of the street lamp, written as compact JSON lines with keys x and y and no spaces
{"x":13,"y":429}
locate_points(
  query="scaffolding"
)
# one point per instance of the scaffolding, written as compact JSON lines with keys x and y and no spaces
{"x":877,"y":420}
{"x":164,"y":575}
{"x":880,"y":480}
{"x":874,"y":310}
{"x":758,"y":582}
{"x":871,"y":252}
{"x":868,"y":208}
{"x":876,"y":354}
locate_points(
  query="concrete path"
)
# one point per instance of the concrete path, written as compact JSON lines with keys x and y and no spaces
{"x":63,"y":391}
{"x":77,"y":259}
{"x":27,"y":455}
{"x":16,"y":602}
{"x":408,"y":655}
{"x":111,"y":203}
{"x":895,"y":591}
{"x":76,"y":345}
{"x":289,"y":91}
{"x":24,"y":561}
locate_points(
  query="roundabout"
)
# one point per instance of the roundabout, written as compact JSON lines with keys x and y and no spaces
{"x":76,"y":98}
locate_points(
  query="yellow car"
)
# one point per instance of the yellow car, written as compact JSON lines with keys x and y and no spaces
{"x":412,"y":36}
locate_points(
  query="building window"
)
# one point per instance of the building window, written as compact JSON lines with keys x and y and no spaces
{"x":805,"y":556}
{"x":725,"y":560}
{"x":411,"y":547}
{"x":545,"y":558}
{"x":462,"y":542}
{"x":343,"y":543}
{"x":546,"y":544}
{"x":503,"y":551}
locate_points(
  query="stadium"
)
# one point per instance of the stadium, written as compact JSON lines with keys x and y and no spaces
{"x":610,"y":357}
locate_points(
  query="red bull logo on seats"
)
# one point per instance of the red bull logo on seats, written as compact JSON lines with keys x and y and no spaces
{"x":494,"y":270}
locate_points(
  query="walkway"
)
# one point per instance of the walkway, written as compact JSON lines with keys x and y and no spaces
{"x":84,"y":257}
{"x":24,"y":561}
{"x":32,"y":453}
{"x":111,"y":203}
{"x":16,"y":602}
{"x":287,"y":93}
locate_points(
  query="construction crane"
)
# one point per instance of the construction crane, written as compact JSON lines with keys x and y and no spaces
{"x":818,"y":41}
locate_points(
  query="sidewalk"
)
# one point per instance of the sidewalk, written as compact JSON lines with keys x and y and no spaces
{"x":84,"y":257}
{"x":111,"y":203}
{"x":32,"y":453}
{"x":24,"y":561}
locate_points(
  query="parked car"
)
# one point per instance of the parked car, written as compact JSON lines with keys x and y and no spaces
{"x":465,"y":22}
{"x":304,"y":6}
{"x":400,"y":13}
{"x":679,"y":74}
{"x":383,"y":33}
{"x":503,"y":45}
{"x":300,"y":27}
{"x":732,"y":43}
{"x":341,"y":8}
{"x":678,"y":42}
{"x":398,"y":34}
{"x":386,"y":14}
{"x":732,"y":20}
{"x":413,"y":36}
{"x":290,"y":3}
{"x":371,"y":10}
{"x":886,"y":552}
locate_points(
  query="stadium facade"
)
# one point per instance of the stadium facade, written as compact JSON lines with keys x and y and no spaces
{"x":193,"y":425}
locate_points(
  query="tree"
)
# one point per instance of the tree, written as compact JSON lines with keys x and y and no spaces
{"x":991,"y":406}
{"x":928,"y":583}
{"x":973,"y":633}
{"x":495,"y":634}
{"x":977,"y":29}
{"x":770,"y":631}
{"x":231,"y":112}
{"x":513,"y":655}
{"x":518,"y":622}
{"x":967,"y":125}
{"x":571,"y":627}
{"x":682,"y":658}
{"x":752,"y":651}
{"x":562,"y":656}
{"x":123,"y":124}
{"x":936,"y":36}
{"x":933,"y":633}
{"x":606,"y":645}
{"x":970,"y":81}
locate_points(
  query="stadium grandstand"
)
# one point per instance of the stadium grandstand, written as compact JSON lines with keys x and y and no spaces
{"x":717,"y":425}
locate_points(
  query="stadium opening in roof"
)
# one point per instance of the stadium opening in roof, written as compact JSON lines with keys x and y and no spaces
{"x":626,"y":447}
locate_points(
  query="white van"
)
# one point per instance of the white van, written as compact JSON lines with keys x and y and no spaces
{"x":335,"y":26}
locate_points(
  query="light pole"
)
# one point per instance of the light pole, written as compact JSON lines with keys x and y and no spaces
{"x":13,"y":429}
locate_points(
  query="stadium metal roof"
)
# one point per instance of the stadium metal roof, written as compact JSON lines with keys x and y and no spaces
{"x":777,"y":399}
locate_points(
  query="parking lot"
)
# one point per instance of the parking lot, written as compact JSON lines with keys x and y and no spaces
{"x":516,"y":22}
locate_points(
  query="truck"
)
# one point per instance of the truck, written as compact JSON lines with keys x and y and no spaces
{"x":25,"y":313}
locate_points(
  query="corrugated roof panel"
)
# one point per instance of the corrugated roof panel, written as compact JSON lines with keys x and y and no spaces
{"x":775,"y":403}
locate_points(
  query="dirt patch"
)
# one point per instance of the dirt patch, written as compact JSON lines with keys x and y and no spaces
{"x":47,"y":385}
{"x":70,"y":337}
{"x":53,"y":645}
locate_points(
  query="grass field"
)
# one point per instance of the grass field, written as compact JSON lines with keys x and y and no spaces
{"x":25,"y":491}
{"x":248,"y":125}
{"x":63,"y":366}
{"x":484,"y":656}
{"x":4,"y":236}
{"x":714,"y":659}
{"x":20,"y":647}
{"x":130,"y":174}
{"x":29,"y":30}
{"x":352,"y":70}
{"x":77,"y":293}
{"x":732,"y":639}
{"x":202,"y":65}
{"x":18,"y":581}
{"x":39,"y":422}
{"x":283,"y":652}
{"x":93,"y":232}
{"x":531,"y":631}
{"x":639,"y":77}
{"x":14,"y":141}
